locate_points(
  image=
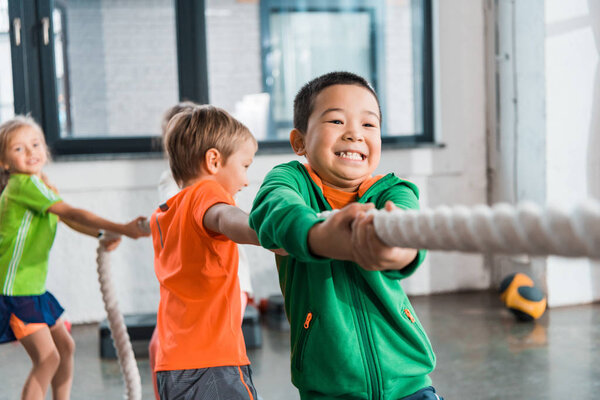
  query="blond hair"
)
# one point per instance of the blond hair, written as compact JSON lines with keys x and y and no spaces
{"x":7,"y":129}
{"x":192,"y":132}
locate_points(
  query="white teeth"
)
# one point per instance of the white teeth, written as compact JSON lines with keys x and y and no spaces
{"x":351,"y":155}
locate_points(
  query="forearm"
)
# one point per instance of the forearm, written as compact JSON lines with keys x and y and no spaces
{"x":91,"y":221}
{"x":236,"y":228}
{"x":322,"y":243}
{"x":86,"y":230}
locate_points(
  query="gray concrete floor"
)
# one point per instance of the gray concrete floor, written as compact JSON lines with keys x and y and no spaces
{"x":483,"y":354}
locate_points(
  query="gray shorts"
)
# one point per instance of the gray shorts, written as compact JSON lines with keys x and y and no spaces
{"x":214,"y":383}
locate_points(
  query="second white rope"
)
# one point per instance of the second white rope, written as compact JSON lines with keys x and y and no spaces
{"x":118,"y":329}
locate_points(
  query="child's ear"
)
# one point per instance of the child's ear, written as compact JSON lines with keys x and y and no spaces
{"x":212,"y":160}
{"x":297,"y":142}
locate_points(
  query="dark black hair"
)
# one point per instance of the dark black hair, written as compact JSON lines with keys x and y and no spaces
{"x":305,"y":99}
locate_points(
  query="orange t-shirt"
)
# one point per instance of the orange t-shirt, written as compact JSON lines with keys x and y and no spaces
{"x":338,"y":198}
{"x":198,"y":321}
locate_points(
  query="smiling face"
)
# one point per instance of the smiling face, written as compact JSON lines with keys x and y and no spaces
{"x":233,"y":174}
{"x":26,"y":152}
{"x":342,"y":142}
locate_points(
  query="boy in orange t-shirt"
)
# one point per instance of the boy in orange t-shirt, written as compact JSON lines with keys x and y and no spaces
{"x":194,"y":235}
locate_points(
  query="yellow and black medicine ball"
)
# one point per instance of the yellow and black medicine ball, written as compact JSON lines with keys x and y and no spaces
{"x":522,"y":297}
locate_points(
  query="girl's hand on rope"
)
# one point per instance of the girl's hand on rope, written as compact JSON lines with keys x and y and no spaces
{"x":136,"y":228}
{"x":370,"y":252}
{"x":110,"y":241}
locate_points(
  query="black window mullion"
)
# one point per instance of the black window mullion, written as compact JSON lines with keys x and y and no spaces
{"x":191,"y":50}
{"x":48,"y":73}
{"x":25,"y":60}
{"x":427,"y":71}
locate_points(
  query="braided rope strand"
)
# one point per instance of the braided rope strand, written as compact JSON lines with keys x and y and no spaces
{"x":118,"y":329}
{"x":524,"y":229}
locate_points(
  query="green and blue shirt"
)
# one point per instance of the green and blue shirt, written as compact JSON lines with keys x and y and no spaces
{"x":27,"y":232}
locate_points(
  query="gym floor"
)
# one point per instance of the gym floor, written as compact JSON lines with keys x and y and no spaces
{"x":482,"y":354}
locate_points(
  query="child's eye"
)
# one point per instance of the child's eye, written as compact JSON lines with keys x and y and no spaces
{"x":335,"y":121}
{"x":36,"y":145}
{"x":368,"y":125}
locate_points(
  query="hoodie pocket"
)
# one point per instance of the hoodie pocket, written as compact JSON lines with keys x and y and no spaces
{"x":421,"y":338}
{"x":303,"y":336}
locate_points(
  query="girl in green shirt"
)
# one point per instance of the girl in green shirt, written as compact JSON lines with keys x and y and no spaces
{"x":29,"y":212}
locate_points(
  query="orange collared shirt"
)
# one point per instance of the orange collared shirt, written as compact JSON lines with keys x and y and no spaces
{"x":198,"y":321}
{"x":338,"y":198}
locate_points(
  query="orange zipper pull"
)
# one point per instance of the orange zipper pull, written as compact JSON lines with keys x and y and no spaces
{"x":307,"y":321}
{"x":409,"y":315}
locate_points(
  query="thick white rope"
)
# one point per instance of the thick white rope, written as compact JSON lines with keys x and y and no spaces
{"x":118,"y":329}
{"x":524,"y":229}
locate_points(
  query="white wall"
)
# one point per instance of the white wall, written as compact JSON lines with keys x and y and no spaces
{"x":454,"y":174}
{"x":573,"y":132}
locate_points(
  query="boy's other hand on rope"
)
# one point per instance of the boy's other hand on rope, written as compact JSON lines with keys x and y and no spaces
{"x":370,"y":252}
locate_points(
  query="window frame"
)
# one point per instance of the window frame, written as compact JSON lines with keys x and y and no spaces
{"x":373,"y":8}
{"x":422,"y":12}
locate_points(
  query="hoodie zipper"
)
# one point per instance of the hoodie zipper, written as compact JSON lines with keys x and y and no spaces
{"x":373,"y":375}
{"x":308,"y":322}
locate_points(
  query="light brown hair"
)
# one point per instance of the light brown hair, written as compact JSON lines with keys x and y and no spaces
{"x":192,"y":132}
{"x":7,"y":129}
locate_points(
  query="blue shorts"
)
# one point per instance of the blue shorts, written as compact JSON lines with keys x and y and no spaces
{"x":427,"y":393}
{"x":42,"y":308}
{"x":214,"y":383}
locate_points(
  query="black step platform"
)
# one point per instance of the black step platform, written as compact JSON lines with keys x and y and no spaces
{"x":141,"y":326}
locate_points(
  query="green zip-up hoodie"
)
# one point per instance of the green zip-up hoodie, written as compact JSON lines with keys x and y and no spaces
{"x":354,"y":334}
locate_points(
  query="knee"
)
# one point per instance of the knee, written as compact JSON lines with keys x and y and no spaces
{"x":67,"y":347}
{"x":51,"y":360}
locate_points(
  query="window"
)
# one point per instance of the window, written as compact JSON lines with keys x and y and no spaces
{"x":99,"y":74}
{"x":301,"y":43}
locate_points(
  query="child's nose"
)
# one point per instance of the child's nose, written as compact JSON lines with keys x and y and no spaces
{"x":352,"y":134}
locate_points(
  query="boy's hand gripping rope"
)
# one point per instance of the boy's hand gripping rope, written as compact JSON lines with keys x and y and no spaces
{"x":118,"y":329}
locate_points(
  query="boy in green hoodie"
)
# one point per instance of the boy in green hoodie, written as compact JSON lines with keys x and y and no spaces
{"x":354,"y":334}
